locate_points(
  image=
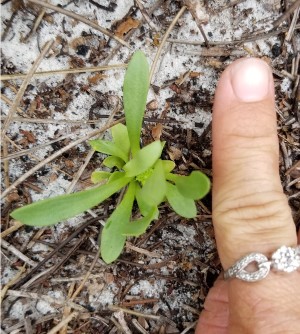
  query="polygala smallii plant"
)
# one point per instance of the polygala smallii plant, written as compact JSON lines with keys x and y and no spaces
{"x":146,"y":178}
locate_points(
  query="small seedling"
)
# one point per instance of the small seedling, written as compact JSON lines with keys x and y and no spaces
{"x":146,"y":179}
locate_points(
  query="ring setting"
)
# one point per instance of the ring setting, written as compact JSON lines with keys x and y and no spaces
{"x":285,"y":259}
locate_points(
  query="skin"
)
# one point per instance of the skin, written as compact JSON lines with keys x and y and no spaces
{"x":250,"y":211}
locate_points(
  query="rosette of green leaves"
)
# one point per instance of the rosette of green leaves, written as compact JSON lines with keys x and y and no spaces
{"x":147,"y":179}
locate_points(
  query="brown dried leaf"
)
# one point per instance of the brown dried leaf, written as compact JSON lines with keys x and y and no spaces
{"x":17,"y":5}
{"x":28,"y":135}
{"x":198,"y":11}
{"x":76,"y":62}
{"x":53,"y":177}
{"x":94,"y":79}
{"x":91,"y":41}
{"x":124,"y":27}
{"x":152,"y":105}
{"x":157,"y":131}
{"x":215,"y":63}
{"x":13,"y":196}
{"x":294,"y":171}
{"x":49,"y":19}
{"x":69,"y":163}
{"x":174,"y":153}
{"x":156,"y":39}
{"x":109,"y":278}
{"x":195,"y":74}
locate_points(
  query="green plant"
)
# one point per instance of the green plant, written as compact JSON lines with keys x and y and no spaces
{"x":147,"y":179}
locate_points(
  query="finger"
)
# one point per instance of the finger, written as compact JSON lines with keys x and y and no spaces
{"x":214,"y":317}
{"x":250,"y":211}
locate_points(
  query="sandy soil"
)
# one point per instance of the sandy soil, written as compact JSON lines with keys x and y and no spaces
{"x":160,"y":281}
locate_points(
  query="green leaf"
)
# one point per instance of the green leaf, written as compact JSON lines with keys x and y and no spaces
{"x":154,"y":190}
{"x":144,"y":207}
{"x":194,"y":186}
{"x":112,"y":240}
{"x":113,"y":161}
{"x":144,"y":159}
{"x":139,"y":226}
{"x":98,"y":176}
{"x":116,"y":176}
{"x":183,"y":206}
{"x":168,"y":165}
{"x":120,"y":137}
{"x":135,"y":90}
{"x":108,"y":147}
{"x":53,"y":210}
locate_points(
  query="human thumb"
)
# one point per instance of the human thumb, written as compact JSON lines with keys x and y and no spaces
{"x":250,"y":211}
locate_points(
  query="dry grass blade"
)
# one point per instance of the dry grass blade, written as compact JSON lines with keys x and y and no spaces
{"x":17,"y":253}
{"x":146,"y":15}
{"x":138,"y":314}
{"x":36,"y":24}
{"x":56,"y":301}
{"x":21,"y":323}
{"x":192,"y":325}
{"x":163,"y":42}
{"x":286,"y":14}
{"x":60,"y":263}
{"x":52,"y":121}
{"x":139,"y":327}
{"x":89,"y":156}
{"x":55,"y":155}
{"x":63,"y":323}
{"x":67,"y":309}
{"x":141,"y":250}
{"x":87,"y":275}
{"x":15,"y":227}
{"x":64,"y":71}
{"x":120,"y":316}
{"x":23,"y":87}
{"x":36,"y":148}
{"x":48,"y":257}
{"x":5,"y":163}
{"x":12,"y":282}
{"x":80,"y":18}
{"x":290,"y":33}
{"x":233,"y":3}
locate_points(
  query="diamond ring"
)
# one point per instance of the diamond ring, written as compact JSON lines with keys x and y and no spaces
{"x":285,"y":259}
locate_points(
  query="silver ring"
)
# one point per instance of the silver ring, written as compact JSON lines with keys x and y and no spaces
{"x":285,"y":259}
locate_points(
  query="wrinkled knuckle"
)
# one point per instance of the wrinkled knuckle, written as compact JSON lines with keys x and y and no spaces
{"x":256,"y":213}
{"x":248,"y":126}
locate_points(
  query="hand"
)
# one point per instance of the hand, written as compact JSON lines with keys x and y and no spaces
{"x":250,"y":211}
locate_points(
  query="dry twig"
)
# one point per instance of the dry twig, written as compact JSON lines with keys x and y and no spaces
{"x":138,"y":314}
{"x":120,"y":316}
{"x":141,"y":250}
{"x":146,"y":15}
{"x":290,"y":33}
{"x":12,"y":281}
{"x":64,"y":71}
{"x":192,"y":325}
{"x":163,"y":42}
{"x":82,"y":19}
{"x":17,"y":253}
{"x":23,"y":87}
{"x":63,"y":323}
{"x":55,"y":155}
{"x":286,"y":14}
{"x":60,"y":246}
{"x":16,"y":225}
{"x":89,"y":155}
{"x":55,"y":301}
{"x":37,"y":22}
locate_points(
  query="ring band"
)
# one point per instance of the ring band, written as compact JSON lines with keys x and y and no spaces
{"x":285,"y":259}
